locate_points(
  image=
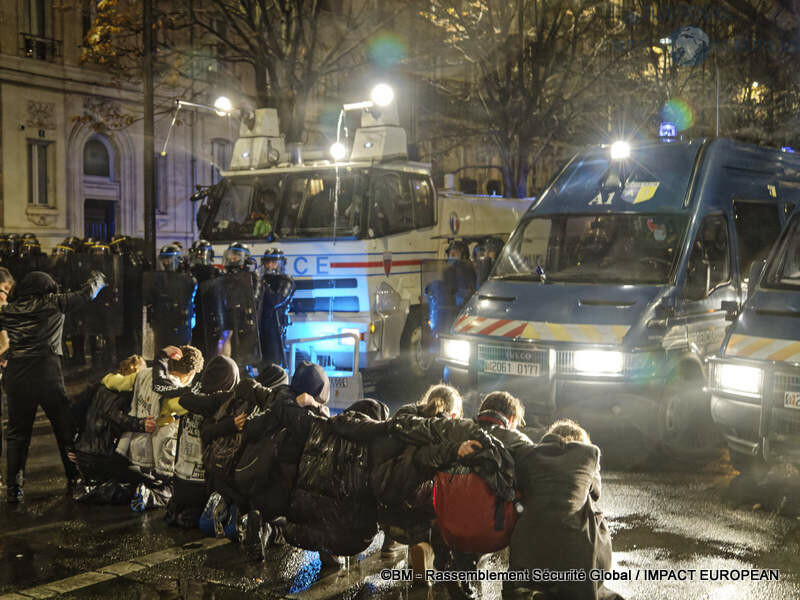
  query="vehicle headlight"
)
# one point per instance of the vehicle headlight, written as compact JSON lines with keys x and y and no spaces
{"x":598,"y":362}
{"x":456,"y":351}
{"x":738,"y":379}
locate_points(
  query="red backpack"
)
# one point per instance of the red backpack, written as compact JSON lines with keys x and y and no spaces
{"x":471,"y":517}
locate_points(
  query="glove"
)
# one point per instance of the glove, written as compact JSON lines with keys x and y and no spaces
{"x":96,"y":282}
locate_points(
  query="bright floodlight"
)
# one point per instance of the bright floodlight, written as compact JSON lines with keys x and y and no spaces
{"x":338,"y":151}
{"x":382,"y":94}
{"x":620,"y":150}
{"x":223,"y":106}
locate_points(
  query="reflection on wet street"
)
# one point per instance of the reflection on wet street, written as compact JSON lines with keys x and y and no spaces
{"x":51,"y":546}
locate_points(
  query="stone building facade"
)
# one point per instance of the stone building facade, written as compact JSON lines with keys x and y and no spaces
{"x":66,"y":167}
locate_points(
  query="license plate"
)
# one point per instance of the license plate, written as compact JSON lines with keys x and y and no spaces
{"x":509,"y":367}
{"x":791,"y":400}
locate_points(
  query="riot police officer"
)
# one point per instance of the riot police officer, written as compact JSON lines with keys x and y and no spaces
{"x":230,"y":308}
{"x":169,"y":293}
{"x":277,"y":289}
{"x":201,"y":261}
{"x":129,"y":340}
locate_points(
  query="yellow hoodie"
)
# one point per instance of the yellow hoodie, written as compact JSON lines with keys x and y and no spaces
{"x":119,"y":383}
{"x":169,"y":410}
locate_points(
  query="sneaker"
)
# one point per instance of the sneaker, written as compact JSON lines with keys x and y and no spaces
{"x":330,"y":561}
{"x":141,"y":498}
{"x":231,"y":526}
{"x":274,"y":535}
{"x":14,"y":494}
{"x":220,"y":517}
{"x":250,"y":535}
{"x":420,"y":559}
{"x":390,"y":548}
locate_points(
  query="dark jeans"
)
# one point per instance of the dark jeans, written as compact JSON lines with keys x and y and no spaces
{"x":30,"y":383}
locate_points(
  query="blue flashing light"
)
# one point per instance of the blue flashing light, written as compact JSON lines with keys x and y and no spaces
{"x":788,"y":149}
{"x":667,"y":130}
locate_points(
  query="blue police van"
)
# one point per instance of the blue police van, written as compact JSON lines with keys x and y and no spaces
{"x":755,"y":379}
{"x":607,"y":299}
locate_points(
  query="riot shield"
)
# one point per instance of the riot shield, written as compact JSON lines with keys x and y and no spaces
{"x":170,"y":298}
{"x":438,"y":298}
{"x":204,"y":274}
{"x":276,"y":293}
{"x":210,"y":312}
{"x":230,"y":317}
{"x":104,"y":314}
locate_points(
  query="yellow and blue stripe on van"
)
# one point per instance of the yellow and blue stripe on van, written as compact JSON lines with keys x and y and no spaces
{"x":541,"y":330}
{"x":763,"y":348}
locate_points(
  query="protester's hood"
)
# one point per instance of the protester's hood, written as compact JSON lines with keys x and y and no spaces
{"x":311,"y":379}
{"x":220,"y":375}
{"x":35,"y":283}
{"x":372,"y":408}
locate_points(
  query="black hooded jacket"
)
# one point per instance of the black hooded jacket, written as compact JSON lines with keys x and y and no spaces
{"x":103,"y":414}
{"x":34,"y":319}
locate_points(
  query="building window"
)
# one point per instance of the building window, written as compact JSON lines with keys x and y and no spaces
{"x":220,"y":158}
{"x":96,"y":160}
{"x":37,"y":37}
{"x":40,"y":158}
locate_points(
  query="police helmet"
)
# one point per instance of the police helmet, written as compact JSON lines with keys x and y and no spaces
{"x":86,"y":244}
{"x":118,"y":244}
{"x":101,"y":249}
{"x":274,"y":261}
{"x":493,"y":247}
{"x":30,"y":247}
{"x":13,"y":243}
{"x":201,"y":252}
{"x":170,"y":257}
{"x":460,"y":246}
{"x":237,"y":256}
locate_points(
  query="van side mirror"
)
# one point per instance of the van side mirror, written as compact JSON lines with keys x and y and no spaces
{"x":731,"y":308}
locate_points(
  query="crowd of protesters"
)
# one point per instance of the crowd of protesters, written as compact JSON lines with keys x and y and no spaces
{"x":262,"y":461}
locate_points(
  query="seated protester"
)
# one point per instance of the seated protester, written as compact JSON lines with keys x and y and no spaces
{"x":101,"y":414}
{"x":274,"y":441}
{"x":221,"y":375}
{"x":404,"y":488}
{"x":332,"y":508}
{"x":154,"y":453}
{"x":221,"y":408}
{"x":559,"y":479}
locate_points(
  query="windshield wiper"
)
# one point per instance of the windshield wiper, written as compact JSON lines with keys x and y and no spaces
{"x":517,"y":277}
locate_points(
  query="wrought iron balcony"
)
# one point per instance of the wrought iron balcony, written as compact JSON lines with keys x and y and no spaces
{"x":34,"y":46}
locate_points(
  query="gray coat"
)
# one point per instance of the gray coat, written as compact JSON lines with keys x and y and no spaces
{"x":561,"y":527}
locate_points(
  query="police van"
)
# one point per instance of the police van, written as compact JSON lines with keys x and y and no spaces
{"x":354,"y":231}
{"x":755,"y":379}
{"x":607,"y":298}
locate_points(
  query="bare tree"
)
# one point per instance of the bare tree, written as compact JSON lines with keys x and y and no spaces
{"x":536,"y":68}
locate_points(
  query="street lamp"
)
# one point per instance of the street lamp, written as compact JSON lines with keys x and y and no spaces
{"x":223,"y":107}
{"x":338,"y":151}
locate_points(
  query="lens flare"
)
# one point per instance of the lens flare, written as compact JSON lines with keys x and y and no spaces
{"x":387,"y":49}
{"x":679,"y":112}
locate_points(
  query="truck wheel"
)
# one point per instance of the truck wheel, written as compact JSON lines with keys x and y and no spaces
{"x":416,"y":358}
{"x":686,"y":431}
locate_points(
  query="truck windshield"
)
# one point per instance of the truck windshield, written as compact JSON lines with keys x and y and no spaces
{"x":291,"y":205}
{"x":785,"y":267}
{"x":309,"y":204}
{"x":246,"y":210}
{"x":609,"y":248}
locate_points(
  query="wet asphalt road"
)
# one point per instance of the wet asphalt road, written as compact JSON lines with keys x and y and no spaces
{"x":659,"y":520}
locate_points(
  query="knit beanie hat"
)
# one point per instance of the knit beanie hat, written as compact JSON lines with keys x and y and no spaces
{"x":220,"y":375}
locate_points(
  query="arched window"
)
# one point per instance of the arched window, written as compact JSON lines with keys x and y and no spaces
{"x":96,"y":159}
